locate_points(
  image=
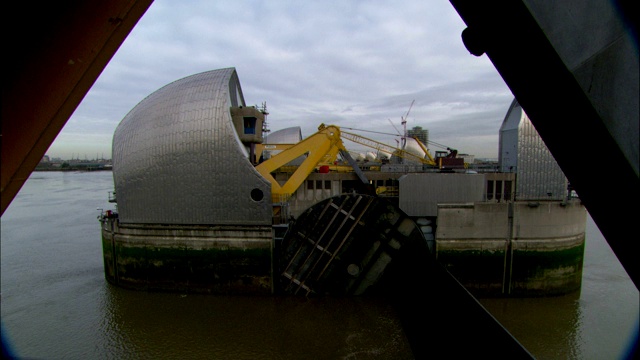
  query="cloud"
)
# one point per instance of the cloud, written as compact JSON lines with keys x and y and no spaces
{"x":350,"y":63}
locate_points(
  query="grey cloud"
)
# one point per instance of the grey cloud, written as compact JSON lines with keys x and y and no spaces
{"x":355,"y":64}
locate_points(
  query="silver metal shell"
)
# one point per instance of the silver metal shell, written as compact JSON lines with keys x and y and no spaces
{"x":522,"y":150}
{"x":178,"y":160}
{"x":291,"y":135}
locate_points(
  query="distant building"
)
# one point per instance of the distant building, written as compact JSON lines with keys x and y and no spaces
{"x":420,"y":134}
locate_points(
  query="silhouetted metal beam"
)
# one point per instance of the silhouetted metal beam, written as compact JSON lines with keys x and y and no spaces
{"x":54,"y":52}
{"x":566,"y":119}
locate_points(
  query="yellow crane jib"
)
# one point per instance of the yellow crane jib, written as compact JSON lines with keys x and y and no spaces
{"x":431,"y":160}
{"x":323,"y":146}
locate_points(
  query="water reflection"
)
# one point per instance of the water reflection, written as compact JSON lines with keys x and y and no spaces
{"x":161,"y":325}
{"x":549,"y":327}
{"x":56,"y":303}
{"x":600,"y":321}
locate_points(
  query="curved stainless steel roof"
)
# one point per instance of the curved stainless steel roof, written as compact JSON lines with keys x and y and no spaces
{"x":178,"y":160}
{"x":522,"y":150}
{"x":291,"y":135}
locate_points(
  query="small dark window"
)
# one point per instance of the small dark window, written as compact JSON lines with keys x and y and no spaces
{"x":507,"y":190}
{"x":309,"y":184}
{"x":349,"y":186}
{"x":250,"y":125}
{"x":319,"y":184}
{"x":498,"y":189}
{"x":327,"y":184}
{"x":489,"y":189}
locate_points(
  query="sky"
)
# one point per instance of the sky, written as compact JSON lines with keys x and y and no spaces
{"x":355,"y":64}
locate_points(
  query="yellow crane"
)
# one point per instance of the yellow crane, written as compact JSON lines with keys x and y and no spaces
{"x":320,"y":148}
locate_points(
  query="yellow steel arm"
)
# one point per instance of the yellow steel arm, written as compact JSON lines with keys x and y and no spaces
{"x":323,"y":146}
{"x":260,"y":148}
{"x":426,"y":151}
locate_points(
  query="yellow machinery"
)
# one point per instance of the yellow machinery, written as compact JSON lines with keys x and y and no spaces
{"x":319,"y":148}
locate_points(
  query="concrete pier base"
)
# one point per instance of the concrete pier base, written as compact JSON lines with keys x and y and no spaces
{"x":514,"y":248}
{"x":202,"y":259}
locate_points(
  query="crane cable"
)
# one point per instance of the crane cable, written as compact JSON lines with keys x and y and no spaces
{"x":383,"y":133}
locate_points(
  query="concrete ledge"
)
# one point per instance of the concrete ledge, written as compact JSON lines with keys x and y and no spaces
{"x":546,"y":267}
{"x":523,"y":251}
{"x":191,"y":259}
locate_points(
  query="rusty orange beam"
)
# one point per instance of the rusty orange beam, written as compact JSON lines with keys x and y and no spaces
{"x":54,"y":53}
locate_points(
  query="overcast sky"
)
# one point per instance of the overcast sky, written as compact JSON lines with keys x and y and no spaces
{"x":354,"y":64}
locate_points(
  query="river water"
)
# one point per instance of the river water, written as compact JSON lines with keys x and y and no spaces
{"x":56,"y":303}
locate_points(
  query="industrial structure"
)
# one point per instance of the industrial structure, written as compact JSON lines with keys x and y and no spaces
{"x":522,"y":151}
{"x":193,"y":213}
{"x":567,"y":75}
{"x":205,"y":204}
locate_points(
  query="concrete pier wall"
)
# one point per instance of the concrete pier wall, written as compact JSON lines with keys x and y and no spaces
{"x":513,"y":248}
{"x":201,"y":259}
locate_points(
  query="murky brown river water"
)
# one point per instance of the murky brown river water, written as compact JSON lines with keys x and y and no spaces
{"x":57,"y":305}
